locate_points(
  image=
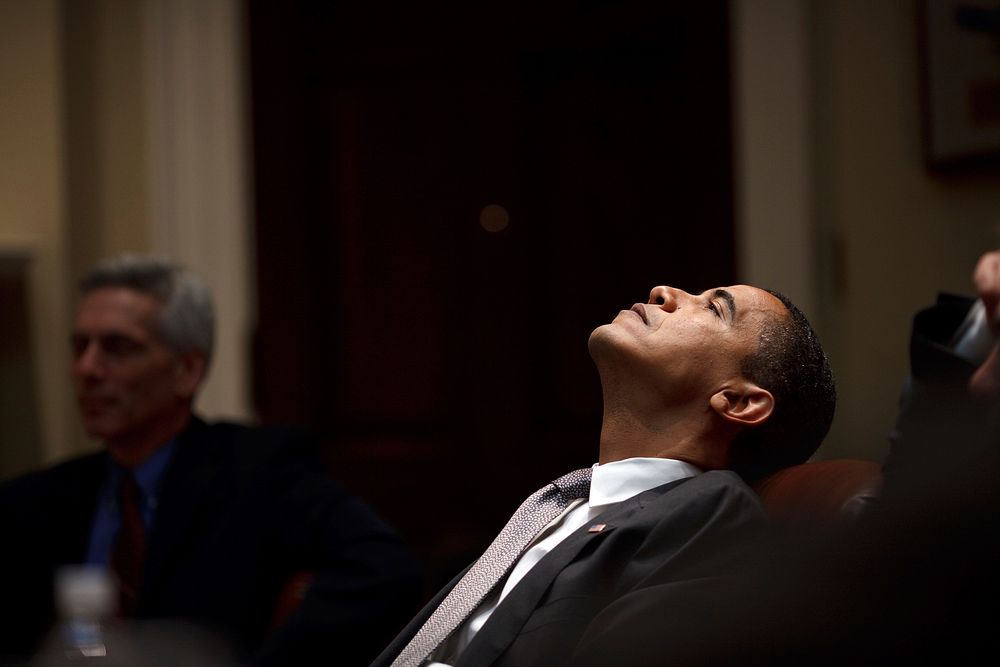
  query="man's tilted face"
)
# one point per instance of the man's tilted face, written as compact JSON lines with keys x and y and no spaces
{"x":125,"y":377}
{"x":683,"y":344}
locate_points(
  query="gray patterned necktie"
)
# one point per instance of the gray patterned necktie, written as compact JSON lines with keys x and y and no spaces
{"x":531,"y":517}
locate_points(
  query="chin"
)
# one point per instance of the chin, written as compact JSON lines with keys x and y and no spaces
{"x":101,"y":429}
{"x":598,"y":338}
{"x":608,"y":342}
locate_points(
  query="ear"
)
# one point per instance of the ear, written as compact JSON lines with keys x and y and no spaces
{"x":743,"y":403}
{"x":189,"y":371}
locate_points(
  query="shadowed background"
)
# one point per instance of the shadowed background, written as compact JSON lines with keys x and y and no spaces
{"x":446,"y":363}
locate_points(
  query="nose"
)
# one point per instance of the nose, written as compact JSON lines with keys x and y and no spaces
{"x":666,"y":297}
{"x":89,"y":362}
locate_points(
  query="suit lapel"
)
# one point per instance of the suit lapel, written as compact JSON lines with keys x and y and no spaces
{"x":190,"y":483}
{"x":76,"y":511}
{"x":510,"y":616}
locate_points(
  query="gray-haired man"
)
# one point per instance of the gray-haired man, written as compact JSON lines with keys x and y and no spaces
{"x":201,"y":522}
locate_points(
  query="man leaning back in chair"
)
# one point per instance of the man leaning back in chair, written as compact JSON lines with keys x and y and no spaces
{"x":702,"y":393}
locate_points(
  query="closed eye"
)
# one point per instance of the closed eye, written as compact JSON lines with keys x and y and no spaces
{"x":727,"y":297}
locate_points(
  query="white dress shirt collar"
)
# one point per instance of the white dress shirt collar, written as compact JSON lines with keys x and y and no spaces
{"x":620,"y":480}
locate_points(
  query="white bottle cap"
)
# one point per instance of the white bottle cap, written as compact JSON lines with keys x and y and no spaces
{"x":85,"y":590}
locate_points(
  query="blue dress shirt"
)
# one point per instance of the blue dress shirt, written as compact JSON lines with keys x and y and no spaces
{"x":107,"y":520}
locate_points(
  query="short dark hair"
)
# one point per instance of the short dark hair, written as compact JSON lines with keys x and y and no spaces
{"x":187,"y":320}
{"x":790,"y":363}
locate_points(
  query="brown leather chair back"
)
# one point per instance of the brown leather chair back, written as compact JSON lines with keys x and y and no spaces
{"x":820,"y":494}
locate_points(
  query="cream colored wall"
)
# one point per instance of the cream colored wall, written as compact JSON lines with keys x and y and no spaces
{"x":904,"y":233}
{"x":889,"y":233}
{"x":32,"y":203}
{"x":121,"y":129}
{"x":772,"y":153}
{"x":107,"y":151}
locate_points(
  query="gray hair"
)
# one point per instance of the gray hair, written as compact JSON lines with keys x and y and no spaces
{"x":187,"y":320}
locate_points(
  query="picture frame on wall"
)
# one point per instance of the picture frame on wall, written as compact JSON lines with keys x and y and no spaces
{"x":960,"y":58}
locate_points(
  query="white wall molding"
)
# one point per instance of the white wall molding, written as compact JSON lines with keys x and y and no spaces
{"x":772,"y":148}
{"x":200,"y":166}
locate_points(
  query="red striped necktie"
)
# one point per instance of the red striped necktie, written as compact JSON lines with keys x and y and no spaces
{"x":129,"y":550}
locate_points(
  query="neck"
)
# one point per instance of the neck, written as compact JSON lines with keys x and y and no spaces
{"x":132,"y":449}
{"x":686,"y":434}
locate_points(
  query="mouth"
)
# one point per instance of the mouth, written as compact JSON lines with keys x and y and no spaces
{"x":94,"y":403}
{"x":640,"y":310}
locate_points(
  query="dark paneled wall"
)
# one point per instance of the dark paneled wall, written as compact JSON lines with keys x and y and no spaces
{"x":446,"y":365}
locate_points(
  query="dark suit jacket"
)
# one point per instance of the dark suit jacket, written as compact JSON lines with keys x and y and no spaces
{"x":675,"y":535}
{"x":240,"y":509}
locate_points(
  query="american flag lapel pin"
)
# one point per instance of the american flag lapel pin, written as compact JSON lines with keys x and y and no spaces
{"x":597,"y":527}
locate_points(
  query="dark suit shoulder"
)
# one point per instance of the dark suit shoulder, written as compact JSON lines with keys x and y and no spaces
{"x":69,"y":468}
{"x":725,"y":481}
{"x":45,"y":518}
{"x":712,"y":492}
{"x":727,"y":486}
{"x":63,"y":480}
{"x":249,"y":445}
